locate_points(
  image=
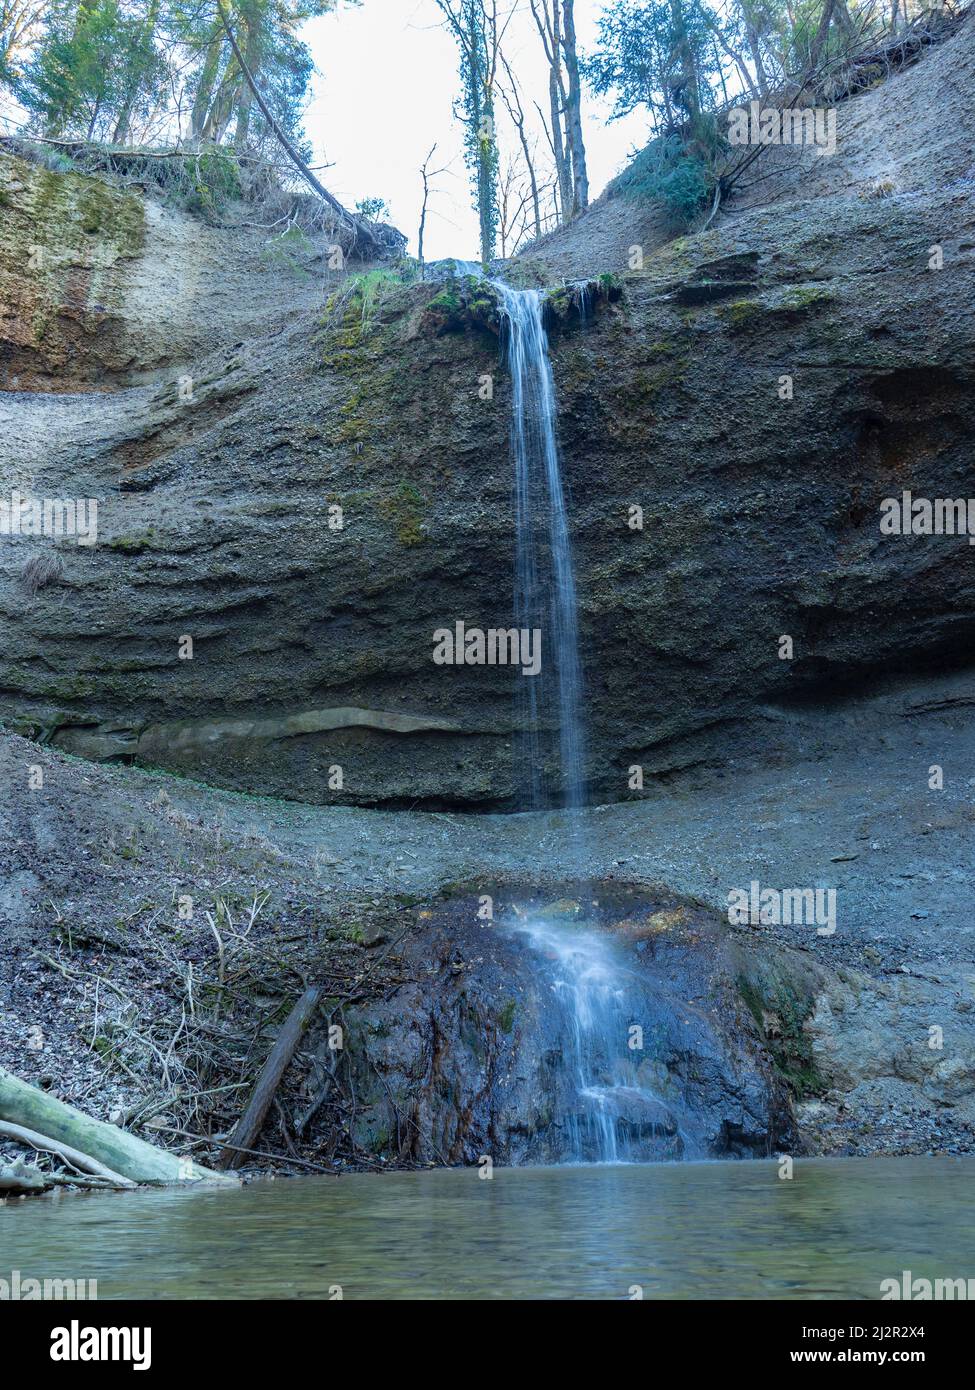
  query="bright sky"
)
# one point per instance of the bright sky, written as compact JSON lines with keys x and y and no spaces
{"x":383,"y":93}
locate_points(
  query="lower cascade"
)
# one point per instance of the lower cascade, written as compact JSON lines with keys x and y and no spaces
{"x":615,"y":1109}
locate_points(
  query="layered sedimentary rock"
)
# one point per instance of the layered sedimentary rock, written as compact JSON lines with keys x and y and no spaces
{"x":310,"y":501}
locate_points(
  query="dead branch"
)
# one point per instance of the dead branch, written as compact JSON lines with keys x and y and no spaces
{"x":251,"y":1122}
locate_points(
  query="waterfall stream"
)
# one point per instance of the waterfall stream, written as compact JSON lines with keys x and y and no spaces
{"x":545,"y":589}
{"x":587,"y":981}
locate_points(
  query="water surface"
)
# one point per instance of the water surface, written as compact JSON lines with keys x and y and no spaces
{"x":685,"y":1230}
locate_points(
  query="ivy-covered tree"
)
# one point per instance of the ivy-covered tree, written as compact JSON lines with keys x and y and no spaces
{"x":478,"y":31}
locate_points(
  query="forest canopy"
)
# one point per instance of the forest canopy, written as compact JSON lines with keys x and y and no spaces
{"x":233,"y":76}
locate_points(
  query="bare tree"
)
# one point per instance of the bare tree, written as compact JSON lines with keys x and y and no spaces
{"x":547,"y":15}
{"x":555,"y":22}
{"x":512,"y":101}
{"x":427,"y":175}
{"x":18,"y":21}
{"x":514,"y":207}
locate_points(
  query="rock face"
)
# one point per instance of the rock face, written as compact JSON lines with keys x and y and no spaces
{"x":457,"y":1041}
{"x":480,"y":1055}
{"x":102,"y":287}
{"x":309,"y":503}
{"x":66,"y":245}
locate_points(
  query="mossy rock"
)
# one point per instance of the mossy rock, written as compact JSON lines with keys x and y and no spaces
{"x":464,"y":303}
{"x":506,"y":1018}
{"x":742,"y":314}
{"x":780,"y":1008}
{"x":802,"y":300}
{"x":573,"y":304}
{"x":133,"y":544}
{"x":405,"y":508}
{"x":789,"y":306}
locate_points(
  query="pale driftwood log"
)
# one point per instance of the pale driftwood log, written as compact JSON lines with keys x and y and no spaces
{"x":114,"y":1152}
{"x":44,"y":1144}
{"x":19,"y":1178}
{"x":249,"y":1125}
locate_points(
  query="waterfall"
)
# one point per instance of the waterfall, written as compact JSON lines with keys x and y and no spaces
{"x":586,"y":978}
{"x":545,"y":589}
{"x":610,"y":1106}
{"x":588,"y":993}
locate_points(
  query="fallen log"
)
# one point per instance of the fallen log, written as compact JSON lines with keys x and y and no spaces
{"x":19,"y":1178}
{"x":44,"y":1144}
{"x":249,"y":1126}
{"x":50,"y":1124}
{"x":357,"y":226}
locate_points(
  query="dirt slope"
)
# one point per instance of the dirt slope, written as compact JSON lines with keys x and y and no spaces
{"x":914,"y":131}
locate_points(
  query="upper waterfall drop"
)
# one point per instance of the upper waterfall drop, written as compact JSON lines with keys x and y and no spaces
{"x":545,"y":587}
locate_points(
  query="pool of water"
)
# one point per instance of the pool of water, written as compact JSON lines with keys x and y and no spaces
{"x":688,"y":1230}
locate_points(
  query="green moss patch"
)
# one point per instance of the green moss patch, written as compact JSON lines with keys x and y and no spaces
{"x":780,"y":1009}
{"x":405,"y":508}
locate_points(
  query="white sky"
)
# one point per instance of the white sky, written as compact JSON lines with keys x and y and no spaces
{"x":383,"y":92}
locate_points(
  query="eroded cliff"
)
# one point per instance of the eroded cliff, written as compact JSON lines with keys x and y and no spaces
{"x":313,"y":499}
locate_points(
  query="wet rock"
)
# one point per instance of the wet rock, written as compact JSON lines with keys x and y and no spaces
{"x":482,"y":1060}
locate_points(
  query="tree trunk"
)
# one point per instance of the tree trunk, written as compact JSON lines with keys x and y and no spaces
{"x":28,"y":1108}
{"x":573,"y":114}
{"x":690,"y":90}
{"x":533,"y":183}
{"x":563,"y":173}
{"x":253,"y":55}
{"x":549,"y":26}
{"x":219,"y":114}
{"x":146,"y":37}
{"x":739,"y":62}
{"x":482,"y":124}
{"x":755,"y":48}
{"x":820,"y":35}
{"x":208,"y":77}
{"x":844,"y":20}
